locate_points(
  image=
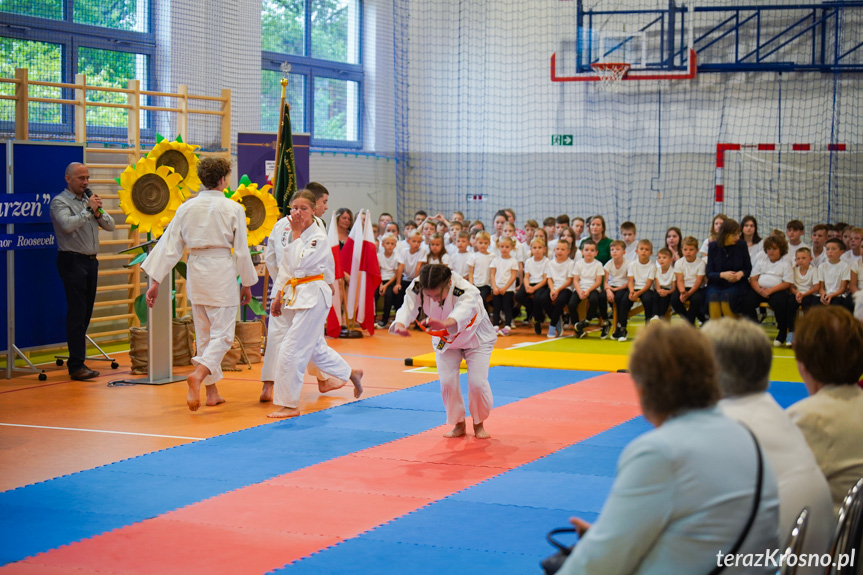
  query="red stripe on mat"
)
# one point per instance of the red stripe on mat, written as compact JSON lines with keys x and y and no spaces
{"x":265,"y":526}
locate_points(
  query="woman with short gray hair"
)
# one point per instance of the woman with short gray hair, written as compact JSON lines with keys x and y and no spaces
{"x":743,"y":358}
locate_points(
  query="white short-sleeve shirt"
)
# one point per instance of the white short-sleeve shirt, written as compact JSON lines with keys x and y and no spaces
{"x":534,"y":270}
{"x":458,"y":261}
{"x":503,"y":269}
{"x":805,"y":282}
{"x":641,"y":273}
{"x":480,"y":263}
{"x":664,"y":280}
{"x":771,"y":274}
{"x":617,"y":276}
{"x":690,"y":270}
{"x":558,"y":272}
{"x":388,"y":265}
{"x":587,"y":273}
{"x":410,"y":261}
{"x":833,"y":275}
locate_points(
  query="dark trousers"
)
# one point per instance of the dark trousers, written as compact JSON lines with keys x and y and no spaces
{"x":80,"y":276}
{"x":696,"y":306}
{"x":485,"y":294}
{"x":648,"y":299}
{"x":782,"y":303}
{"x":502,"y":303}
{"x":555,"y":308}
{"x":597,"y":305}
{"x":391,"y":300}
{"x":532,"y":302}
{"x":662,"y":302}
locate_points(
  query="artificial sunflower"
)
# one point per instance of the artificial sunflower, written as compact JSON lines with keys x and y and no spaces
{"x":150,"y":195}
{"x":262,"y":211}
{"x":181,"y":157}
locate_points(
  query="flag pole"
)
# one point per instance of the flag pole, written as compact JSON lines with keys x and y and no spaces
{"x":282,"y":103}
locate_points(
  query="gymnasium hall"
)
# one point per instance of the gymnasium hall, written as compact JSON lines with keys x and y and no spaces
{"x":595,"y":270}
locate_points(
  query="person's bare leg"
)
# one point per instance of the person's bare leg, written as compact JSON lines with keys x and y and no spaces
{"x":266,"y":392}
{"x":285,"y":412}
{"x":480,"y":431}
{"x":193,"y":398}
{"x":356,"y":378}
{"x":457,"y":431}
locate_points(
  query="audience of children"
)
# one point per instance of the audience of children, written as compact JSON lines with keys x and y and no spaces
{"x":548,"y":275}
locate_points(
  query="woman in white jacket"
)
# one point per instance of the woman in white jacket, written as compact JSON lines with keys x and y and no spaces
{"x":304,"y":298}
{"x":460,"y":329}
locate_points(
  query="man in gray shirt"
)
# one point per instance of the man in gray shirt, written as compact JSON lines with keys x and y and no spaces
{"x":77,"y":217}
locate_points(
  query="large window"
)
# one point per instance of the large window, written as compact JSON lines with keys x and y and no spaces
{"x":110,"y":42}
{"x":320,"y":39}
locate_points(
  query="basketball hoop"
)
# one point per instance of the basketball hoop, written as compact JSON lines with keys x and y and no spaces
{"x":610,"y":73}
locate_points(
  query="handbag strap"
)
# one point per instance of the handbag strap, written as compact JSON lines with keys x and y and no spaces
{"x":756,"y":502}
{"x":566,"y":549}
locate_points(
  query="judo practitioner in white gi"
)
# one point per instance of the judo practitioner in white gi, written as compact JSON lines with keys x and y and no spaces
{"x":277,"y":326}
{"x":305,"y":298}
{"x":210,"y":225}
{"x":460,"y":329}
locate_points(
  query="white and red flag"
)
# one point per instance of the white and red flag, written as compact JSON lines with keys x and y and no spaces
{"x":334,"y":319}
{"x":359,"y":256}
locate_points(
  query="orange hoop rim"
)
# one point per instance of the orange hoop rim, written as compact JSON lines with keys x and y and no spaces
{"x":598,"y":66}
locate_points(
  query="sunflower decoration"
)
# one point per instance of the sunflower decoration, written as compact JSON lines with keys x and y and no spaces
{"x":181,"y":157}
{"x":150,"y":195}
{"x":262,"y":211}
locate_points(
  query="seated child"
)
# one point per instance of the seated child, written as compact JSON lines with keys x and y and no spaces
{"x":559,"y":274}
{"x":664,"y":283}
{"x":532,"y":288}
{"x":835,"y":275}
{"x":587,"y":277}
{"x":690,"y":272}
{"x":641,"y":274}
{"x":616,"y":276}
{"x":771,"y":279}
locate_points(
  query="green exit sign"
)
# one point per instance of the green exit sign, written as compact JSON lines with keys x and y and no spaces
{"x":561,"y":140}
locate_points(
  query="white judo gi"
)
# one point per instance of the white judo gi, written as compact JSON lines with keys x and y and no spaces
{"x":210,"y":225}
{"x":304,"y":309}
{"x":277,"y":326}
{"x":473,"y":342}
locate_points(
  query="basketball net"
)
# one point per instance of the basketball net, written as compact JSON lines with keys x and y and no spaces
{"x":610,"y":73}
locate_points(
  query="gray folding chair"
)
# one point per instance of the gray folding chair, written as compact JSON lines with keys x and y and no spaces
{"x":848,"y":534}
{"x":794,"y":543}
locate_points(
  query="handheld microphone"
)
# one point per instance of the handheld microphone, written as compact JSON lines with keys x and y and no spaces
{"x":88,"y":192}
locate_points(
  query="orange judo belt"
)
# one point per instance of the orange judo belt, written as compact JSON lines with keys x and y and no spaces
{"x":443,"y":334}
{"x":294,"y":282}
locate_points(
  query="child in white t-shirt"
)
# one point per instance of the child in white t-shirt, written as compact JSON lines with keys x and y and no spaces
{"x":641,"y":274}
{"x":616,"y":274}
{"x":478,"y":265}
{"x":689,"y":272}
{"x":389,"y":264}
{"x":664,"y":284}
{"x":458,"y":260}
{"x":771,"y":279}
{"x":559,"y":274}
{"x":587,"y":277}
{"x":835,"y":275}
{"x":436,"y":254}
{"x":853,"y":254}
{"x":410,"y":260}
{"x":503,"y":271}
{"x":532,"y":288}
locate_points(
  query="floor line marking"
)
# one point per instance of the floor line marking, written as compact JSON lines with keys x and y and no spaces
{"x":101,"y":431}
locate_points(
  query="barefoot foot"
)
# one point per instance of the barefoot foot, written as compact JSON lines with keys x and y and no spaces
{"x":193,"y":398}
{"x":266,"y":392}
{"x":213,"y":397}
{"x":330,"y":384}
{"x":457,"y":431}
{"x":480,"y":431}
{"x":285,"y":412}
{"x":356,"y":378}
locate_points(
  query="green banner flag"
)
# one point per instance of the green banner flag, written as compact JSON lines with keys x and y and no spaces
{"x":286,"y":172}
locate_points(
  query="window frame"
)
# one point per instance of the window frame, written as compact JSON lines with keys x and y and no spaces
{"x":311,"y":68}
{"x":71,"y":36}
